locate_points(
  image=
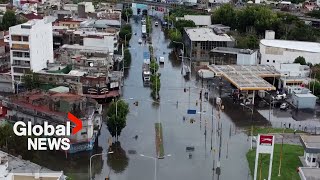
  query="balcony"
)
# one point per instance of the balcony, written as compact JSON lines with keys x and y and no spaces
{"x":24,"y":47}
{"x":21,"y":65}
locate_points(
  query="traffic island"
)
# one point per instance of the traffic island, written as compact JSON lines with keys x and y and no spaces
{"x":159,"y":141}
{"x":289,"y":162}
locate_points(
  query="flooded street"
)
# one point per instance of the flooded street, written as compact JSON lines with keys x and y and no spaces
{"x":191,"y":148}
{"x":178,"y":134}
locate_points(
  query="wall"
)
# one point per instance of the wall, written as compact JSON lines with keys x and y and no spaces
{"x":247,"y":59}
{"x":308,"y":157}
{"x":41,"y":45}
{"x":280,"y":55}
{"x":304,"y":102}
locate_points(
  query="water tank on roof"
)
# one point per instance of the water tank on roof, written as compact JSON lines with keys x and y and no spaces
{"x":270,"y":34}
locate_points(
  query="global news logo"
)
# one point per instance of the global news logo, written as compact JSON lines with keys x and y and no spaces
{"x":48,"y":137}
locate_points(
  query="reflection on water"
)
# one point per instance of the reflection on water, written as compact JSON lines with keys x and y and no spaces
{"x":118,"y":161}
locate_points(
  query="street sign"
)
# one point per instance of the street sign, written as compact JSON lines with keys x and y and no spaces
{"x":192,"y":111}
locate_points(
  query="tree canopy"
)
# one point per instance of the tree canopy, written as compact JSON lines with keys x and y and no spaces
{"x":126,"y":32}
{"x":126,"y":13}
{"x":181,"y":24}
{"x":127,"y":58}
{"x":9,"y":19}
{"x":300,"y":60}
{"x":117,"y":121}
{"x":31,"y":80}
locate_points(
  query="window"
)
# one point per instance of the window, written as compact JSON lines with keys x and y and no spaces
{"x":274,"y":61}
{"x":83,"y":132}
{"x":25,"y":38}
{"x":17,"y":54}
{"x":15,"y":38}
{"x":313,"y":159}
{"x":27,"y":55}
{"x":267,"y":60}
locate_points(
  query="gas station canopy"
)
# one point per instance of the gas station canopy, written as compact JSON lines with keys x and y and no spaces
{"x":247,"y":77}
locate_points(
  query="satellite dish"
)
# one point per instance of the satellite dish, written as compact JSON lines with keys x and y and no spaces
{"x":91,"y":64}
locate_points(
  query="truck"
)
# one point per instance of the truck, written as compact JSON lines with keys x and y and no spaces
{"x":144,"y":31}
{"x":146,"y":57}
{"x":146,"y":73}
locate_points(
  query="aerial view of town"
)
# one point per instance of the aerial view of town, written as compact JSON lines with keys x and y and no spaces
{"x":159,"y":90}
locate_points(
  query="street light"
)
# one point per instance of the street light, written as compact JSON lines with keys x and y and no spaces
{"x":111,"y":152}
{"x":155,"y":163}
{"x":251,"y":122}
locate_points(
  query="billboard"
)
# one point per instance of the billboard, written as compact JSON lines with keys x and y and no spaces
{"x":266,"y":140}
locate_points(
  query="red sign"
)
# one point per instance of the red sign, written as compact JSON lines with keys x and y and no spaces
{"x":266,"y":140}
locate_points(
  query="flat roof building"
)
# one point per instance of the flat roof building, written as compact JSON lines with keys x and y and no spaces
{"x":199,"y":20}
{"x":276,"y":51}
{"x":200,"y":41}
{"x":12,"y":167}
{"x":31,"y":47}
{"x":311,"y":145}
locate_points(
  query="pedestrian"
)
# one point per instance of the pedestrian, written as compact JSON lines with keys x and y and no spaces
{"x":184,"y":119}
{"x":177,"y":104}
{"x":284,"y":125}
{"x":294,"y":132}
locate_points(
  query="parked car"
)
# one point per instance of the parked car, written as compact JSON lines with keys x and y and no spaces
{"x":284,"y":106}
{"x":140,"y":41}
{"x":281,"y":96}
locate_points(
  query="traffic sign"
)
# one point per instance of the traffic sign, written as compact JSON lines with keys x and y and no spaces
{"x":192,"y":111}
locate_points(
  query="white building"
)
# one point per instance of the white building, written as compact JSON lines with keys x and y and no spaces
{"x":18,"y":169}
{"x":311,"y":145}
{"x":31,"y":47}
{"x":275,"y":51}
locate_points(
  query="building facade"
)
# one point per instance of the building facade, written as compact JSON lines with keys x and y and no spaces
{"x":30,"y":47}
{"x":275,"y":51}
{"x":200,"y":41}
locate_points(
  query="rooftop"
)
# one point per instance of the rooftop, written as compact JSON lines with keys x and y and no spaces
{"x":306,"y":95}
{"x":246,"y":77}
{"x":232,"y":50}
{"x":25,"y":28}
{"x":294,"y":45}
{"x":310,"y":173}
{"x":199,"y":20}
{"x":310,"y":143}
{"x":59,"y":89}
{"x":206,"y":34}
{"x":85,"y":48}
{"x":17,"y":165}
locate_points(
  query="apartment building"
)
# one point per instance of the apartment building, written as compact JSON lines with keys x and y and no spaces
{"x":30,"y":47}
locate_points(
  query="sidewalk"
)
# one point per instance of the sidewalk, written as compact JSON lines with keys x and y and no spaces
{"x":312,"y":125}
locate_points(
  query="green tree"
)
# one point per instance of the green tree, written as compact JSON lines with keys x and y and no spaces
{"x":226,"y":15}
{"x":302,"y":32}
{"x":127,"y":57}
{"x":154,"y":66}
{"x":247,"y":42}
{"x":175,"y":35}
{"x":155,"y":85}
{"x":117,"y":116}
{"x":9,"y":19}
{"x":316,"y":86}
{"x":125,"y":33}
{"x":300,"y":60}
{"x":149,"y":25}
{"x":31,"y":80}
{"x":126,"y":13}
{"x":181,"y":24}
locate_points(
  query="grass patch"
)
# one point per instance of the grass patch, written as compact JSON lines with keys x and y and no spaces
{"x":267,"y":130}
{"x":159,"y":140}
{"x":290,"y":162}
